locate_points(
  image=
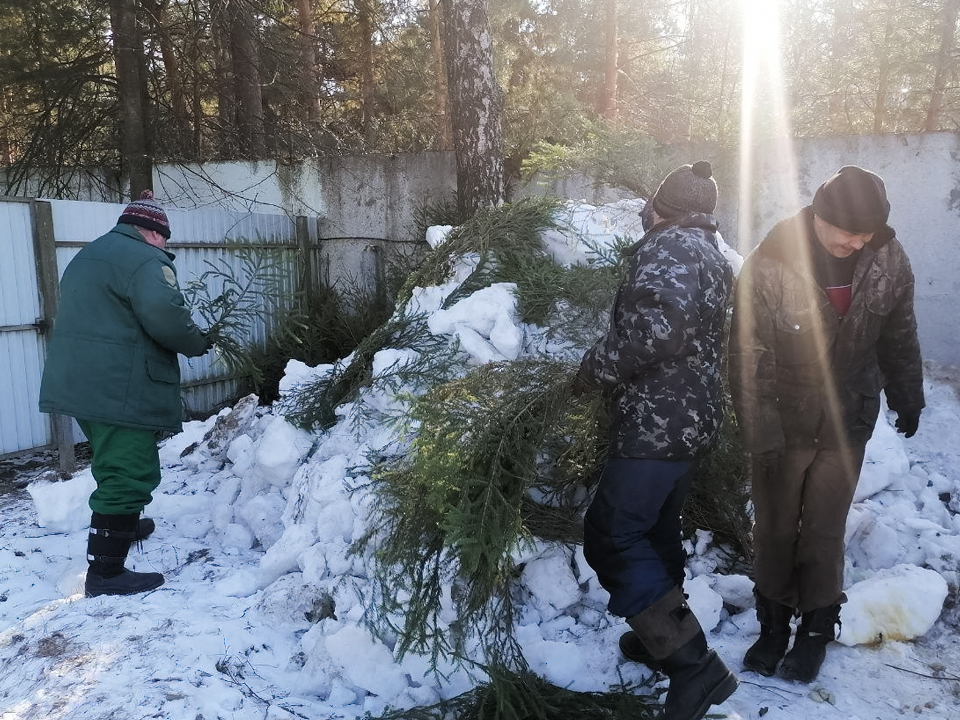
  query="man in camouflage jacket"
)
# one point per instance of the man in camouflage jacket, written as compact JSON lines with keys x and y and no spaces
{"x":658,"y":367}
{"x":823,"y":321}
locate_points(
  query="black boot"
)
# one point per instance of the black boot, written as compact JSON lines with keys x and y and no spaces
{"x":145,"y":528}
{"x":817,"y":629}
{"x":107,"y":547}
{"x":698,"y":678}
{"x":633,"y":649}
{"x":768,"y":650}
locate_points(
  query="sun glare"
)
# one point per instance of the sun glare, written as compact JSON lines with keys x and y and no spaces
{"x":763,"y":102}
{"x":764,"y":98}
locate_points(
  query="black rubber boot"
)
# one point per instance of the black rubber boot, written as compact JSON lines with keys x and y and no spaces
{"x":816,"y":631}
{"x":698,"y":679}
{"x":107,"y":547}
{"x":633,"y":649}
{"x":764,"y":655}
{"x":145,"y":528}
{"x":670,"y":632}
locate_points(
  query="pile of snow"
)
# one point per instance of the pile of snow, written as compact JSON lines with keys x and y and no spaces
{"x":255,"y":518}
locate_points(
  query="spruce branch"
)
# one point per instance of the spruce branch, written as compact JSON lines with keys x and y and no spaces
{"x":498,"y":236}
{"x":453,"y":510}
{"x":313,"y":405}
{"x":231,"y":301}
{"x":522,"y":695}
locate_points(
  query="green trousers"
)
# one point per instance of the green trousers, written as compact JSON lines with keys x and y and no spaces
{"x":126,"y":466}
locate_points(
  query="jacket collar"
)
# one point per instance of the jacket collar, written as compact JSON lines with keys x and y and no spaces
{"x":131,"y":232}
{"x":698,"y":221}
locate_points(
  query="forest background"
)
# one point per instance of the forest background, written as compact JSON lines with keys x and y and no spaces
{"x":129,"y":83}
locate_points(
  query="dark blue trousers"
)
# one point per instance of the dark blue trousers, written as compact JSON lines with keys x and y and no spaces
{"x":632,"y":536}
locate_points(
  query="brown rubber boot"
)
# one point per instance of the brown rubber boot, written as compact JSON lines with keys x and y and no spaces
{"x":673,"y":636}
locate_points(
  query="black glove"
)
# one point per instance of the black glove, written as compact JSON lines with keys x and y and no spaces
{"x":583,"y":383}
{"x":907,"y":423}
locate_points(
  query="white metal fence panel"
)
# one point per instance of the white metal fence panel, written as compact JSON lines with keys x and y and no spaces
{"x":22,"y":425}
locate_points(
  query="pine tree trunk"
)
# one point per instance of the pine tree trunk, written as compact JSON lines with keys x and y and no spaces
{"x":883,"y":78}
{"x":224,"y":77}
{"x":608,"y":99}
{"x":246,"y":76}
{"x":475,"y":102}
{"x":367,"y":89}
{"x":309,"y":83}
{"x":131,"y":92}
{"x":171,"y":67}
{"x":441,"y":91}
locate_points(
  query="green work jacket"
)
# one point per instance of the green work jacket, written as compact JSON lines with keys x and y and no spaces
{"x":121,"y":320}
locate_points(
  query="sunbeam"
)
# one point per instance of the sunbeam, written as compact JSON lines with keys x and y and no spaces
{"x":763,"y":104}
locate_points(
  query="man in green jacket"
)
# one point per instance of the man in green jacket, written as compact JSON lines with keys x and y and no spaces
{"x":112,"y":364}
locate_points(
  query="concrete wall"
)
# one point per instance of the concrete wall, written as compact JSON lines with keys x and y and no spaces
{"x":365,"y":205}
{"x":371,"y":196}
{"x":922,"y":176}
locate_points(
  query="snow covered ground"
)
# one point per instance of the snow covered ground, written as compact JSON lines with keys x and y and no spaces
{"x":261,"y":613}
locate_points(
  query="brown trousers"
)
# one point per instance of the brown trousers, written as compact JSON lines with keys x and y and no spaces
{"x":801,"y":499}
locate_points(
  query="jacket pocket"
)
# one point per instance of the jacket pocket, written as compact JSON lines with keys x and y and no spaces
{"x":796,"y":341}
{"x":163,"y":371}
{"x":882,"y":292}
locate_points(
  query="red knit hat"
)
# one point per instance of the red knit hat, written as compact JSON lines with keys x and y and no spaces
{"x":146,"y":213}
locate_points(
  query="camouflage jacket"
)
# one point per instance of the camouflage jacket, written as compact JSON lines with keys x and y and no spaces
{"x":799,"y":375}
{"x":659,"y":363}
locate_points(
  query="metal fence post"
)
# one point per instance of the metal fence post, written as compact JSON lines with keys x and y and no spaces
{"x":48,"y":281}
{"x":306,"y":257}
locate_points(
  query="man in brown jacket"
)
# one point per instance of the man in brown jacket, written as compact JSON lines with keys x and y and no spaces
{"x":823,"y":321}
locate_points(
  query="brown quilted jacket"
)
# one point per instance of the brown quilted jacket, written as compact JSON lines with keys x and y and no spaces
{"x":800,"y":376}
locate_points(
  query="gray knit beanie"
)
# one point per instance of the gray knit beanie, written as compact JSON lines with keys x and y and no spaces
{"x":688,"y":189}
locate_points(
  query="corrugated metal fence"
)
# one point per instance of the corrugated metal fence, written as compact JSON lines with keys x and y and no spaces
{"x":38,"y":239}
{"x":22,"y":425}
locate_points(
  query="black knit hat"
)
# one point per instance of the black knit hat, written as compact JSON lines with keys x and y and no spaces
{"x":688,"y":189}
{"x":146,"y":213}
{"x":854,"y":200}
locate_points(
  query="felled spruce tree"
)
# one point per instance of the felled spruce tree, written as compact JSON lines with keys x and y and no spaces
{"x":500,"y":455}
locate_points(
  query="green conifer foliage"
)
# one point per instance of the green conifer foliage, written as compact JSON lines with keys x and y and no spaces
{"x":525,"y":696}
{"x":233,"y":297}
{"x":458,"y":506}
{"x":506,"y":239}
